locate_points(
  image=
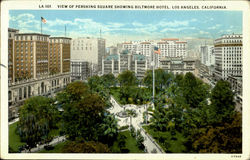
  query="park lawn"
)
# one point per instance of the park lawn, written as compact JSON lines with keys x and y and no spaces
{"x":14,"y":138}
{"x":130,"y":144}
{"x":175,"y":142}
{"x":57,"y":148}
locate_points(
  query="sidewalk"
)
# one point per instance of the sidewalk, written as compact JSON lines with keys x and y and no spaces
{"x":149,"y":143}
{"x":52,"y":143}
{"x":13,"y":121}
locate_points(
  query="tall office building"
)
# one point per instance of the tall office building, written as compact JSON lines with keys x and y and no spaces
{"x":172,"y":47}
{"x":124,"y":61}
{"x":88,"y":49}
{"x":31,"y":55}
{"x":59,"y":54}
{"x":39,"y":65}
{"x":228,"y":56}
{"x":11,"y":42}
{"x":207,"y":55}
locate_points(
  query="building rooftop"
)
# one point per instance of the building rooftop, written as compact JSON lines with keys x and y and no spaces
{"x":170,"y":39}
{"x":12,"y":30}
{"x":162,"y":42}
{"x":145,"y":43}
{"x":181,"y":42}
{"x":59,"y":38}
{"x":38,"y":34}
{"x":176,"y":59}
{"x":112,"y":56}
{"x":139,"y":57}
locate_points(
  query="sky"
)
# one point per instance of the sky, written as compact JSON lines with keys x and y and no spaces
{"x":128,"y":25}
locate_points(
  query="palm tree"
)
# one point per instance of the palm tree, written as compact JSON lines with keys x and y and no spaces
{"x":131,"y":113}
{"x":109,"y":127}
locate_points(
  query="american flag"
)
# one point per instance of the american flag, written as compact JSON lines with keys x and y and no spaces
{"x":43,"y":20}
{"x":157,"y":50}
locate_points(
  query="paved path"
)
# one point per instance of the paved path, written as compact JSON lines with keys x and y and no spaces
{"x":149,"y":142}
{"x":52,"y":143}
{"x":13,"y":121}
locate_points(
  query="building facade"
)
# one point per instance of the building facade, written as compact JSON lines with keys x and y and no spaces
{"x":172,"y":47}
{"x":228,"y":56}
{"x":116,"y":64}
{"x":207,"y":55}
{"x":11,"y":42}
{"x":89,"y":49}
{"x":80,"y":70}
{"x":39,"y":64}
{"x":178,"y":65}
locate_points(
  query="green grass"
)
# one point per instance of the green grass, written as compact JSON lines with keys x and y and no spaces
{"x":57,"y":148}
{"x":172,"y":143}
{"x":14,"y":138}
{"x":130,"y":144}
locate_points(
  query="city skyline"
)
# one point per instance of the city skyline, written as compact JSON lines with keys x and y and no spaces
{"x":134,"y":26}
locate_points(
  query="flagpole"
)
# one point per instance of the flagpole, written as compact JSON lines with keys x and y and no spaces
{"x":153,"y":76}
{"x":41,"y":26}
{"x":65,"y":30}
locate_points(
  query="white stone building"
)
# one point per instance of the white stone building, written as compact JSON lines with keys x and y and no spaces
{"x":228,"y":56}
{"x":207,"y":55}
{"x":88,"y":49}
{"x":178,"y":65}
{"x":116,"y":64}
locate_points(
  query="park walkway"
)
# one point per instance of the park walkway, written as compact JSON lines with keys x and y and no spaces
{"x":41,"y":147}
{"x":149,"y":143}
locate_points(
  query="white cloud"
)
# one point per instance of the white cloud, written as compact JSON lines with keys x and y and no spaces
{"x":204,"y":32}
{"x":137,"y":24}
{"x":193,"y":20}
{"x":177,"y":29}
{"x":173,"y":23}
{"x":214,"y":27}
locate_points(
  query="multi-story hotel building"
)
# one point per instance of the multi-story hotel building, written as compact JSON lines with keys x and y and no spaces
{"x":116,"y":64}
{"x":89,"y":49}
{"x":170,"y":47}
{"x":39,"y":65}
{"x":228,"y":56}
{"x":59,"y":55}
{"x":11,"y":42}
{"x":31,"y":55}
{"x":177,"y":65}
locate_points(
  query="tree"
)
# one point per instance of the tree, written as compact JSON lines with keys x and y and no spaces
{"x":226,"y":138}
{"x":127,"y":78}
{"x":108,"y":80}
{"x":109,"y":129}
{"x":222,"y":102}
{"x":82,"y":146}
{"x":77,"y":90}
{"x":94,"y":82}
{"x":162,"y":79}
{"x":131,"y":113}
{"x":83,"y":118}
{"x":37,"y":118}
{"x":194,"y":90}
